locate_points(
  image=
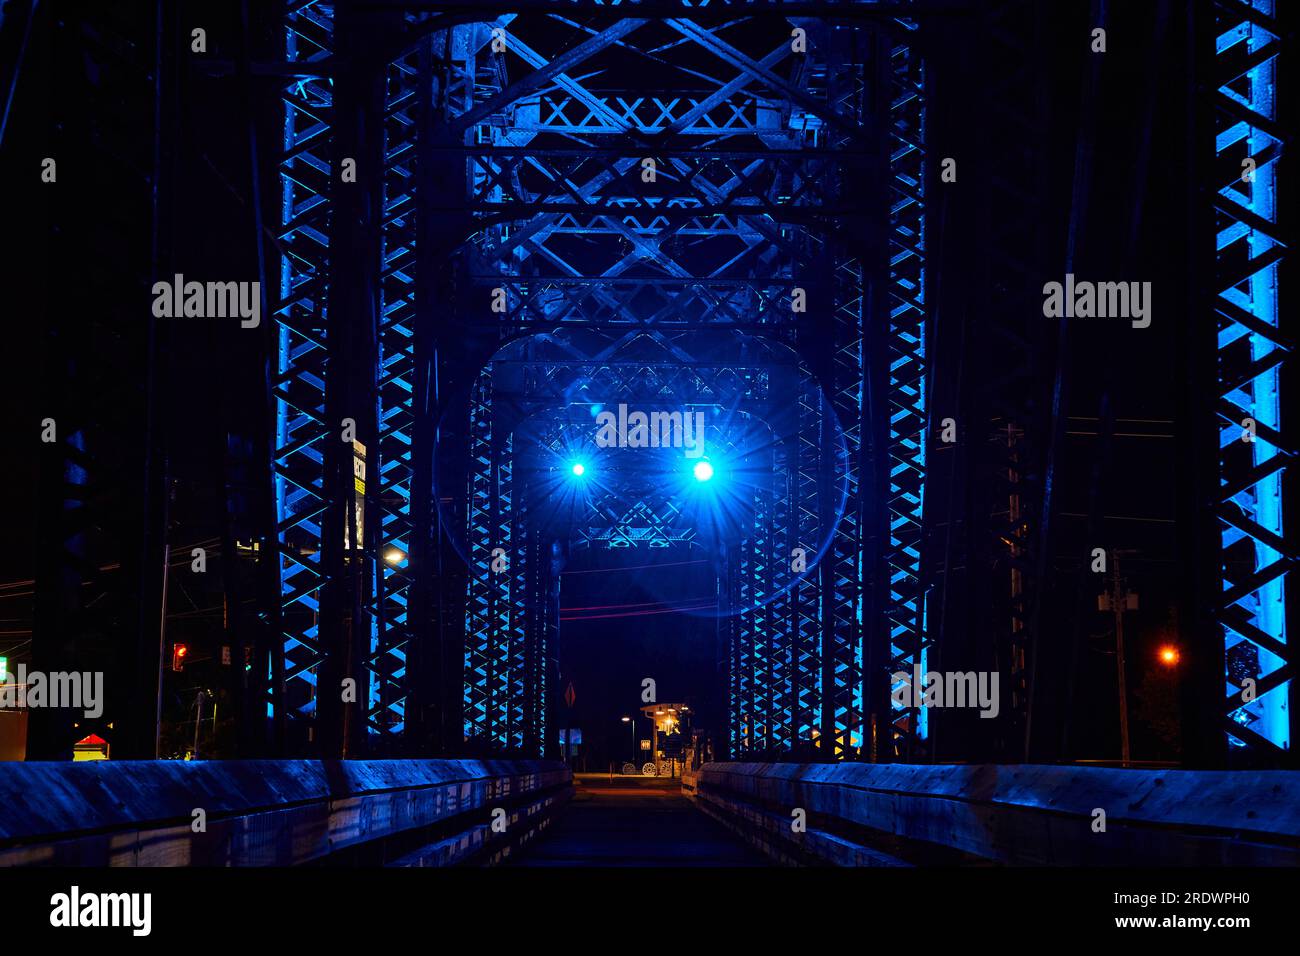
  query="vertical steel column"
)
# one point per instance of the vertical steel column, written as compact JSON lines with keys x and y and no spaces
{"x":436,"y":621}
{"x":1008,"y":395}
{"x":348,"y":623}
{"x":908,"y":368}
{"x":303,"y":351}
{"x":102,"y":515}
{"x":1255,"y":445}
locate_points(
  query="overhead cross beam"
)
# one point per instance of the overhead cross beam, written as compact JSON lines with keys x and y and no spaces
{"x":554,"y":69}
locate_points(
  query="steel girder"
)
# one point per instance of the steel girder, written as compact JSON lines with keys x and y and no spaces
{"x":1253,"y":351}
{"x":851,"y":75}
{"x":102,"y":498}
{"x":391,"y":598}
{"x":298,"y":461}
{"x":1009,"y":394}
{"x":379,"y":563}
{"x":774,"y":651}
{"x":842,"y":9}
{"x":496,"y":606}
{"x":908,"y":423}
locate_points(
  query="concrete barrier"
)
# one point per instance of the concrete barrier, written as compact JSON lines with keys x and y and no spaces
{"x":889,"y":814}
{"x":267,"y":812}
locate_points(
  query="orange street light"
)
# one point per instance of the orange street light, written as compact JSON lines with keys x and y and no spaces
{"x":1169,"y":655}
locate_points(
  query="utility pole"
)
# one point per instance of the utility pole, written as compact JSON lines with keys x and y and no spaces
{"x":162,"y":649}
{"x":198,"y":721}
{"x":1118,"y":600}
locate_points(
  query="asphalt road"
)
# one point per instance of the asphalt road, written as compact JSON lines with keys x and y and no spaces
{"x":634,"y":821}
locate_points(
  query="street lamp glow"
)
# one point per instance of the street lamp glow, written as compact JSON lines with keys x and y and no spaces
{"x":1169,"y":655}
{"x":579,"y":469}
{"x":703,"y":471}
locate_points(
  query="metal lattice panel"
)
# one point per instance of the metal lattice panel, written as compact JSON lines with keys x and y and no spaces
{"x":302,"y":369}
{"x":907,"y":370}
{"x":843,"y":717}
{"x":386,"y":662}
{"x":493,"y":609}
{"x":1252,"y":356}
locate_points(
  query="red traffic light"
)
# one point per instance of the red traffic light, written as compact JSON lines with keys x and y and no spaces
{"x":178,"y":656}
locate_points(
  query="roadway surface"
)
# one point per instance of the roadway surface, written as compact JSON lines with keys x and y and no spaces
{"x":634,"y":821}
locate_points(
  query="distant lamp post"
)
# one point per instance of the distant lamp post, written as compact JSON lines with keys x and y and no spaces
{"x":1169,"y":655}
{"x":632,"y":725}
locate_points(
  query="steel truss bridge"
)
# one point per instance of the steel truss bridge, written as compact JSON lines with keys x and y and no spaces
{"x":492,"y":217}
{"x":789,"y":159}
{"x":745,"y":232}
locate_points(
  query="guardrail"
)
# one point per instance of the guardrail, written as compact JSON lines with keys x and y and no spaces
{"x":273,"y":812}
{"x":899,"y":814}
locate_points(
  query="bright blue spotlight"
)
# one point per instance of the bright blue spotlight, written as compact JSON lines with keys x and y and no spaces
{"x":703,"y":471}
{"x":579,"y":469}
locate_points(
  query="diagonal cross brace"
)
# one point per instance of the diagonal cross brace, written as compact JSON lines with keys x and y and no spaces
{"x":539,"y":78}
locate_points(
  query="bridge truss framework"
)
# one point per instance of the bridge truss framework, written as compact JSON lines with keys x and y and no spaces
{"x":513,"y":204}
{"x":761,"y":170}
{"x":519,"y":169}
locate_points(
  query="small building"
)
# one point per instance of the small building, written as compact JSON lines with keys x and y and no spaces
{"x":670,"y":720}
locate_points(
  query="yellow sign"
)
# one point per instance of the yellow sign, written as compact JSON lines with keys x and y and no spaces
{"x":357,"y":532}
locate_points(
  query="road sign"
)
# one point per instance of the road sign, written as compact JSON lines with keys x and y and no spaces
{"x":355,"y":532}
